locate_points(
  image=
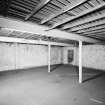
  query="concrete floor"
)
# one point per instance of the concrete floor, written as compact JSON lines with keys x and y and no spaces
{"x":60,"y":87}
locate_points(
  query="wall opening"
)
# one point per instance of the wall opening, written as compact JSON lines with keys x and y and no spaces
{"x":70,"y":56}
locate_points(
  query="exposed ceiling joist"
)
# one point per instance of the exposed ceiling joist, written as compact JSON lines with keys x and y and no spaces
{"x":37,"y":8}
{"x":88,"y":25}
{"x":77,"y":20}
{"x":95,"y":32}
{"x":100,"y":16}
{"x":102,"y":35}
{"x":75,"y":17}
{"x":97,"y":36}
{"x":91,"y":29}
{"x":37,"y":29}
{"x":63,"y":10}
{"x":94,"y":36}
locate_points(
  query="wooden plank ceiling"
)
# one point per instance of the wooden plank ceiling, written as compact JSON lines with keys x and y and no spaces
{"x":82,"y":17}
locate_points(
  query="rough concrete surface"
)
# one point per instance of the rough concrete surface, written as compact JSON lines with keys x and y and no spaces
{"x":35,"y":86}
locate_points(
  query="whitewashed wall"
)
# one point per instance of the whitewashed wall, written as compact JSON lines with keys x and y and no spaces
{"x":93,"y":56}
{"x":14,"y":56}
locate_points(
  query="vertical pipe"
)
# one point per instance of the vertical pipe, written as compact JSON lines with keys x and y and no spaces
{"x":49,"y":57}
{"x":80,"y":61}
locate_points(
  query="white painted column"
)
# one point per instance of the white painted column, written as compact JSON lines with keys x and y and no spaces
{"x":49,"y":57}
{"x":15,"y":55}
{"x":80,"y":61}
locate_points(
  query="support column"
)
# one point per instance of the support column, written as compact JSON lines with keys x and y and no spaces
{"x":15,"y":55}
{"x":80,"y":61}
{"x":49,"y":57}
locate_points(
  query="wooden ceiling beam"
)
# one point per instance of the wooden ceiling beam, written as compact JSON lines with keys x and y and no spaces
{"x":78,"y":16}
{"x":22,"y":40}
{"x":88,"y":25}
{"x":91,"y":28}
{"x":63,"y":10}
{"x":27,"y":27}
{"x":99,"y":34}
{"x":37,"y":8}
{"x":96,"y":31}
{"x":93,"y":36}
{"x":84,"y":21}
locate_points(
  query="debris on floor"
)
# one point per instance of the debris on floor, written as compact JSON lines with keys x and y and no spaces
{"x":97,"y":101}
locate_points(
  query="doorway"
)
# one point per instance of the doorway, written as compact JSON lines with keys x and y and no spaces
{"x":70,"y":56}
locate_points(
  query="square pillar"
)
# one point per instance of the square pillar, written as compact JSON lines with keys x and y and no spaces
{"x":80,"y":61}
{"x":49,"y":57}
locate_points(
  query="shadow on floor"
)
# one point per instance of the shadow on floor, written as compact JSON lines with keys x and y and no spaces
{"x":94,"y":77}
{"x":55,"y":67}
{"x":95,"y":73}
